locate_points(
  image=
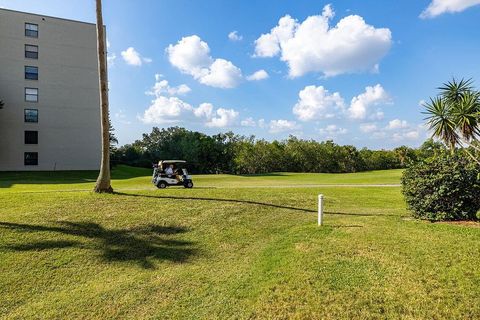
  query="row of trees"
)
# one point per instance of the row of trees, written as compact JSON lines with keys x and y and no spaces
{"x":231,"y":153}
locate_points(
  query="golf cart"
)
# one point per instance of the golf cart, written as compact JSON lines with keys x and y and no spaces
{"x":171,"y":173}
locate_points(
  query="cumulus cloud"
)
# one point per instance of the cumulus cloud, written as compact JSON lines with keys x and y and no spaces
{"x":397,"y":124}
{"x":221,"y":74}
{"x":407,"y":135}
{"x":368,"y":127}
{"x":373,"y":96}
{"x":234,"y":36}
{"x":438,"y":7}
{"x":191,"y":56}
{"x":332,"y":130}
{"x":223,"y":118}
{"x":258,"y":75}
{"x":162,"y":86}
{"x":134,"y":58}
{"x":167,"y":108}
{"x":315,"y":46}
{"x":278,"y":126}
{"x":248,"y":122}
{"x":316,"y":103}
{"x":396,"y":130}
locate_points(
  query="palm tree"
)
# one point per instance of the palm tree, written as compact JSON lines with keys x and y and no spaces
{"x":103,"y":180}
{"x":454,"y":116}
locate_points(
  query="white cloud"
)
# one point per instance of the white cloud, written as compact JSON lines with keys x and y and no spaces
{"x":261,"y":123}
{"x":316,"y":103}
{"x":162,"y":86}
{"x":171,"y":109}
{"x":221,"y":74}
{"x":258,"y":75}
{"x":396,"y":130}
{"x":373,"y":96}
{"x":234,"y":36}
{"x":204,"y":110}
{"x":315,"y":46}
{"x":248,"y":122}
{"x":408,"y":135}
{"x":332,"y":130}
{"x":166,"y":110}
{"x":134,"y":58}
{"x":438,"y":7}
{"x":397,"y":124}
{"x":368,"y":127}
{"x":223,"y":118}
{"x":191,"y":55}
{"x":277,"y":126}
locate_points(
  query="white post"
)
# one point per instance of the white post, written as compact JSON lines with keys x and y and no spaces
{"x":320,"y":209}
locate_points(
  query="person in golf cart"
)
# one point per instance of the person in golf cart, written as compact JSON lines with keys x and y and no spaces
{"x":168,"y":173}
{"x":169,"y":170}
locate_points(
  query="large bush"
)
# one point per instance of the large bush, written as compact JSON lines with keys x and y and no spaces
{"x":444,"y":187}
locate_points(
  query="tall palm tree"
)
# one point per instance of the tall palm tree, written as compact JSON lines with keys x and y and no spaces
{"x":454,"y":115}
{"x":103,"y":180}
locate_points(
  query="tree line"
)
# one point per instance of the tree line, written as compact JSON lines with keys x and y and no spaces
{"x":238,"y":154}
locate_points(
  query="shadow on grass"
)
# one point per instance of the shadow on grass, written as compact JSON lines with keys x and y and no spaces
{"x":142,"y":245}
{"x":120,"y":172}
{"x":252,"y":203}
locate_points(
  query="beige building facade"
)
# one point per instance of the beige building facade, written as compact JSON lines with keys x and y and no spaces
{"x":49,"y":85}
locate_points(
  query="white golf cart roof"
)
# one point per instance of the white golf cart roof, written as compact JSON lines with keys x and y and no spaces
{"x":173,"y":161}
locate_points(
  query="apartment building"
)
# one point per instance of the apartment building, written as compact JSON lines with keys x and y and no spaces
{"x":49,"y":85}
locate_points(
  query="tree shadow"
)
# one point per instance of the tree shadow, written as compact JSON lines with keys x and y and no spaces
{"x":121,"y":172}
{"x":253,"y":203}
{"x":142,"y":245}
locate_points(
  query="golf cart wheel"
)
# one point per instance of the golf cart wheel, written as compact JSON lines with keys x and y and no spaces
{"x":189,"y":185}
{"x":161,"y":185}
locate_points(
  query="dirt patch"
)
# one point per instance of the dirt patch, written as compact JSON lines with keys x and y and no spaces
{"x":473,"y":224}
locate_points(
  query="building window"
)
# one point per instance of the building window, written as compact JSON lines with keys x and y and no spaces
{"x":31,"y":158}
{"x":31,"y":73}
{"x":31,"y":51}
{"x":31,"y":94}
{"x":31,"y":137}
{"x":31,"y":30}
{"x":31,"y":115}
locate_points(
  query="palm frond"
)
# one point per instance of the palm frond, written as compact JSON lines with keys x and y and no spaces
{"x":441,"y":121}
{"x":453,"y":90}
{"x":465,"y":115}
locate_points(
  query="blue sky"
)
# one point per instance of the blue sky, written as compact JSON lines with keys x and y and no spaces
{"x":352,"y":71}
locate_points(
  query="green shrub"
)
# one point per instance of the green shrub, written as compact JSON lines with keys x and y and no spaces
{"x":445,"y":187}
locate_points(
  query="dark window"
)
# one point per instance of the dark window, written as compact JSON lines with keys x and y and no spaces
{"x":31,"y":158}
{"x":31,"y":73}
{"x":31,"y":94}
{"x":31,"y":137}
{"x":31,"y":115}
{"x":31,"y":30}
{"x":31,"y":52}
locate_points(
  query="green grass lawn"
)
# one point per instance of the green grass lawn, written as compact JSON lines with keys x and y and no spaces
{"x":241,"y":250}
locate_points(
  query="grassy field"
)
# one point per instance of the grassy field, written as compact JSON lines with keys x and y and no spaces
{"x":233,"y":247}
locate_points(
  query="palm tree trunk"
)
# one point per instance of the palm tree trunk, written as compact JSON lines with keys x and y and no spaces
{"x":103,"y":180}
